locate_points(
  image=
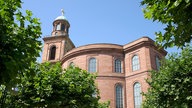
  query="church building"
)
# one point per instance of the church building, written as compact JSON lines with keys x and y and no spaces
{"x":121,"y":69}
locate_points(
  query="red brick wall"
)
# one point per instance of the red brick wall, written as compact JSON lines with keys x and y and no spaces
{"x":105,"y":55}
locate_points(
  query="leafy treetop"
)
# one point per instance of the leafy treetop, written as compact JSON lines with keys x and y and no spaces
{"x":170,"y":87}
{"x":51,"y":86}
{"x":176,"y":15}
{"x":19,"y":44}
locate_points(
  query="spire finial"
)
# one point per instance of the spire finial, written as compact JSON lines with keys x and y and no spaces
{"x":62,"y":12}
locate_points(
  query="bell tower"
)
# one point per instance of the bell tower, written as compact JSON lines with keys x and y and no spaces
{"x":59,"y":43}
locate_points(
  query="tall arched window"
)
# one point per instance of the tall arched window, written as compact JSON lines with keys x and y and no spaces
{"x":118,"y":66}
{"x":158,"y":64}
{"x":119,"y":96}
{"x":92,"y":65}
{"x":135,"y":63}
{"x":137,"y":95}
{"x":62,"y":27}
{"x":52,"y":53}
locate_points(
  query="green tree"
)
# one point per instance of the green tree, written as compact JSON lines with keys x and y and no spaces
{"x":170,"y":87}
{"x":51,"y":86}
{"x":176,"y":15}
{"x":104,"y":105}
{"x":19,"y":44}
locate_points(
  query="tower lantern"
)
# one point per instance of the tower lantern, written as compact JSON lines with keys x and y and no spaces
{"x":60,"y":25}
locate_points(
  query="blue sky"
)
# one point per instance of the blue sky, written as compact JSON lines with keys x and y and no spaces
{"x":96,"y":21}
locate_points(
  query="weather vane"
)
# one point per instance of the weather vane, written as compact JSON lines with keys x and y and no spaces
{"x":62,"y":12}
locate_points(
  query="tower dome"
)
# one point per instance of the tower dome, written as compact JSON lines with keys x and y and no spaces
{"x":62,"y":17}
{"x":60,"y":25}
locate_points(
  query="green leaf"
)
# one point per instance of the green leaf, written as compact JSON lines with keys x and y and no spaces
{"x":175,"y":15}
{"x":170,"y":85}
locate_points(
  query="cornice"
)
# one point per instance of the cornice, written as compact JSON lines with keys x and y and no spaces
{"x":142,"y":42}
{"x":112,"y":48}
{"x":93,"y":48}
{"x":55,"y":37}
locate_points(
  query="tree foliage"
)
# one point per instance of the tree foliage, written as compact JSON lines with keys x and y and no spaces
{"x":170,"y":87}
{"x":19,"y":44}
{"x":176,"y":15}
{"x":51,"y":86}
{"x":104,"y":105}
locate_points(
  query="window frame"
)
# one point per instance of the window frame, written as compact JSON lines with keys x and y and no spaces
{"x":91,"y":66}
{"x":71,"y":64}
{"x":135,"y":63}
{"x":118,"y":65}
{"x":157,"y":62}
{"x":137,"y":96}
{"x":52,"y":52}
{"x":119,"y":101}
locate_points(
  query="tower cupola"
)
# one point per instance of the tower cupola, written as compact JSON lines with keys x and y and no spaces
{"x":60,"y":25}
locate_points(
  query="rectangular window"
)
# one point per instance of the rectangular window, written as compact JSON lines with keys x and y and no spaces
{"x":92,"y":65}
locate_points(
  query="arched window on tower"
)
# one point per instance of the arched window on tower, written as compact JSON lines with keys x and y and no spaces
{"x":52,"y":53}
{"x":118,"y":66}
{"x":119,"y":96}
{"x":135,"y":63}
{"x":137,"y":95}
{"x":92,"y":65}
{"x":62,"y":27}
{"x":58,"y":27}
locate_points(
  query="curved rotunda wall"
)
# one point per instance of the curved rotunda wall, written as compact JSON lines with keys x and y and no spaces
{"x":105,"y":54}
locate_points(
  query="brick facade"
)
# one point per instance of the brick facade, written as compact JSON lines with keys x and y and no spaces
{"x":105,"y":55}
